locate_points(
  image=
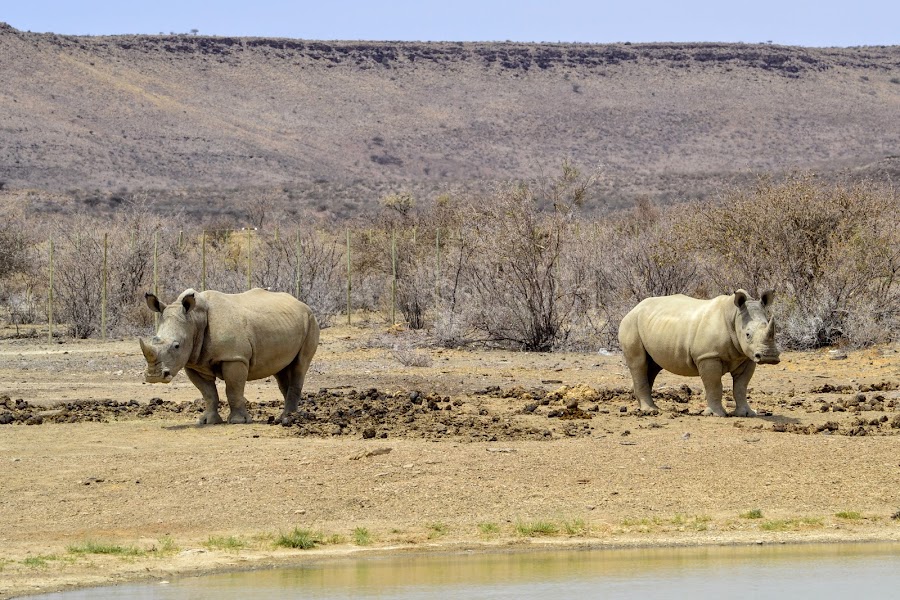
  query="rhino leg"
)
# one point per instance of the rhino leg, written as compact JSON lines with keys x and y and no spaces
{"x":207,"y":387}
{"x":643,"y":373}
{"x":290,"y":382}
{"x":741,"y":377}
{"x":711,"y":374}
{"x":291,"y":378}
{"x":235,"y":376}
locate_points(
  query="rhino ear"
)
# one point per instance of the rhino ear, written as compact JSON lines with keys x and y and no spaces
{"x":188,"y":302}
{"x":153,"y":302}
{"x":767,"y":297}
{"x":740,"y":298}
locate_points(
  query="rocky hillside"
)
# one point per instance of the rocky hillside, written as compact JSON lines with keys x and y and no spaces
{"x":337,"y":124}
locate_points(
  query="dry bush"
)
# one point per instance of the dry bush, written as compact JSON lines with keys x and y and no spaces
{"x":831,"y":251}
{"x":522,"y":294}
{"x":411,"y":358}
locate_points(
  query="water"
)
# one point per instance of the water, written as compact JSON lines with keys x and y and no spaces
{"x":808,"y":571}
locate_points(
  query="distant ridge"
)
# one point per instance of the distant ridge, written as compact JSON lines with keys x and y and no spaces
{"x":336,"y":124}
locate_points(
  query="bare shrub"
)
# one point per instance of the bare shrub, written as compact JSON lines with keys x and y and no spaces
{"x":411,"y":358}
{"x":830,"y":250}
{"x":518,"y":281}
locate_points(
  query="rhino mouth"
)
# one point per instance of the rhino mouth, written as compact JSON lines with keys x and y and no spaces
{"x":164,"y":376}
{"x":766,"y":359}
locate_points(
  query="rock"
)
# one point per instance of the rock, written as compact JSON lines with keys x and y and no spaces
{"x":6,"y":418}
{"x":368,"y":433}
{"x":35,"y":420}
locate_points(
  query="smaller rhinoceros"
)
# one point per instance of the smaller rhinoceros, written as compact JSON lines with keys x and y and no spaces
{"x":235,"y":337}
{"x":691,"y":337}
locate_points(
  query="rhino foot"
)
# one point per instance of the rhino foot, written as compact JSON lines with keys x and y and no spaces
{"x":715,"y":412}
{"x":240,"y":416}
{"x":210,"y":418}
{"x":648,"y":411}
{"x":648,"y":407}
{"x":745,"y":411}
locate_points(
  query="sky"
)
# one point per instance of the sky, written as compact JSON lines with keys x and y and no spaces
{"x":789,"y":22}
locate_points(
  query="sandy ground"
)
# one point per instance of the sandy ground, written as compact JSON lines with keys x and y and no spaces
{"x":479,"y":449}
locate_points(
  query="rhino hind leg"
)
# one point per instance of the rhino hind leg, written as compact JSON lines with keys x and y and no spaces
{"x":290,"y":382}
{"x":291,"y":378}
{"x":643,"y":373}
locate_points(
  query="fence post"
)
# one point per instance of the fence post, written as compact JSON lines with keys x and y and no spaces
{"x":50,"y":299}
{"x":394,"y":278}
{"x":156,"y":275}
{"x":249,"y":254}
{"x":297,"y":276}
{"x":437,"y":274}
{"x":103,"y":291}
{"x":203,"y":263}
{"x":349,"y":283}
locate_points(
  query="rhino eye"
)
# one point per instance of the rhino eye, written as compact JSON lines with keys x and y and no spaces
{"x":749,"y":335}
{"x":177,"y":345}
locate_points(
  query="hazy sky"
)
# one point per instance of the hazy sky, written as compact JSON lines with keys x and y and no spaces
{"x":792,"y":22}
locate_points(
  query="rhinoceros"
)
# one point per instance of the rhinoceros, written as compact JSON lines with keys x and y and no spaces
{"x":235,"y":337}
{"x":691,"y":337}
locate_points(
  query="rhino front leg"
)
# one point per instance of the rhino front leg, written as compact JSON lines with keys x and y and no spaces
{"x":235,"y":376}
{"x":711,"y":374}
{"x":207,"y":387}
{"x":741,"y":379}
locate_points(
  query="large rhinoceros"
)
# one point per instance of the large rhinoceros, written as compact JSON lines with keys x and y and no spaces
{"x":691,"y":337}
{"x":235,"y":337}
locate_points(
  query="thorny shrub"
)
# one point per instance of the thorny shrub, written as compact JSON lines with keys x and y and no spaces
{"x":519,"y":267}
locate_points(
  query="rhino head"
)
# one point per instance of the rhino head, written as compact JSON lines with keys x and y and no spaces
{"x":170,"y":349}
{"x":755,"y":327}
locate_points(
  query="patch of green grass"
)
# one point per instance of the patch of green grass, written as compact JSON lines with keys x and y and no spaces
{"x":166,"y":546}
{"x":301,"y":539}
{"x":575,"y":527}
{"x":488,"y":528}
{"x":850,"y":515}
{"x":229,"y":543}
{"x":39,"y":561}
{"x":752,"y":514}
{"x":361,"y":536}
{"x":536,"y":528}
{"x":436,"y":530}
{"x":642,"y":522}
{"x":91,"y":547}
{"x":791,"y":524}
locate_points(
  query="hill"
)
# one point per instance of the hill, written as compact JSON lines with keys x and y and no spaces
{"x":334,"y":125}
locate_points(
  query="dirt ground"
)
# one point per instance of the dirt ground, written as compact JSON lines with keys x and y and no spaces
{"x":107,"y":479}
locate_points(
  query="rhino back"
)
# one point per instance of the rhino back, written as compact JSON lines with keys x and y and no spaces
{"x":678,"y":331}
{"x":265,"y":329}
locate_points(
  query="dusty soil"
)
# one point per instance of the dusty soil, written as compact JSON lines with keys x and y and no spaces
{"x":480,"y":449}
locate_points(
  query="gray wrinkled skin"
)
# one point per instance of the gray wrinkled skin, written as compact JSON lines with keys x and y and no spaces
{"x":236,"y":338}
{"x":705,"y":338}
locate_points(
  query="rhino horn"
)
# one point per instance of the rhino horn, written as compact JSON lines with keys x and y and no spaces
{"x":770,"y":329}
{"x":147,"y":349}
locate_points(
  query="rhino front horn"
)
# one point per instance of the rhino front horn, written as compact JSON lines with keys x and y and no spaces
{"x":147,"y":350}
